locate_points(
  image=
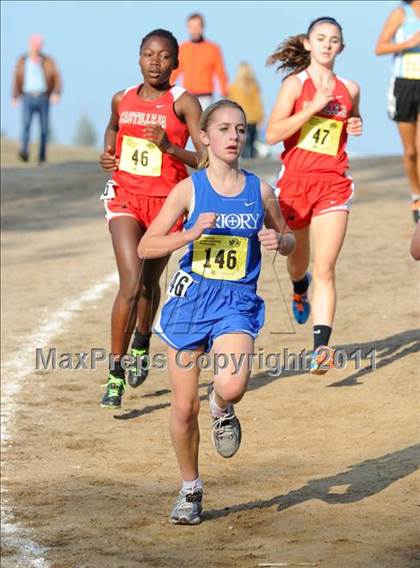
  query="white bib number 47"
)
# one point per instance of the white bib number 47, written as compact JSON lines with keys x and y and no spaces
{"x":179,"y":284}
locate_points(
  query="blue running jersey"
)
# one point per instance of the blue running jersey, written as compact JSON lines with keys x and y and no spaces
{"x":231,"y":251}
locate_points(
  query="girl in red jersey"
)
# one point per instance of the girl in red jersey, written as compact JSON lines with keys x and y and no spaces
{"x":145,"y":148}
{"x":313,"y":115}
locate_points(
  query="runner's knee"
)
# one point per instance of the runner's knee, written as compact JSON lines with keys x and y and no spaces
{"x":185,"y":412}
{"x":231,"y":391}
{"x":410,"y":152}
{"x":324,"y":272}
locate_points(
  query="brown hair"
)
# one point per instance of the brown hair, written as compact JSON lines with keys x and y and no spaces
{"x":292,"y":55}
{"x":205,"y":120}
{"x":196,"y":16}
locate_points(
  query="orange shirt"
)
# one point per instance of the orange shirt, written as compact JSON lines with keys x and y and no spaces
{"x":199,"y":63}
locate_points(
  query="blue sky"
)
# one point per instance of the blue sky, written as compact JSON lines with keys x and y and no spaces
{"x":96,"y":47}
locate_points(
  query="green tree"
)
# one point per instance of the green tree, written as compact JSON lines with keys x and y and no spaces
{"x":85,"y":132}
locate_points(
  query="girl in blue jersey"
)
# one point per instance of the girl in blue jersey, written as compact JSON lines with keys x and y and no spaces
{"x":401,"y":37}
{"x":212,"y":300}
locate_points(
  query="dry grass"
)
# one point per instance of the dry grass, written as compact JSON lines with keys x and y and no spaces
{"x":57,"y":154}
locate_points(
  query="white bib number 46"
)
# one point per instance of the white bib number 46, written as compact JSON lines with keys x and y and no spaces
{"x":179,"y":284}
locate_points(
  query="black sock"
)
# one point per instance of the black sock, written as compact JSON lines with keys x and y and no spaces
{"x":301,"y":286}
{"x":321,"y":335}
{"x":117,"y":372}
{"x":141,"y":341}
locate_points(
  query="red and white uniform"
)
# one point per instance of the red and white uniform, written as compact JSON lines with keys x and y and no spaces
{"x":145,"y":175}
{"x":313,"y":180}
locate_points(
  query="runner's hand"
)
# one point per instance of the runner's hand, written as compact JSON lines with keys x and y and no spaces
{"x":354,"y":126}
{"x":108,"y":160}
{"x":323,"y":96}
{"x":204,"y":221}
{"x":272,"y":240}
{"x":155,"y":133}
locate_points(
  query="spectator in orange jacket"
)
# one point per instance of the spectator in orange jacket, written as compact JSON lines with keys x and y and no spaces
{"x":246,"y":92}
{"x":37,"y":81}
{"x":200,"y":61}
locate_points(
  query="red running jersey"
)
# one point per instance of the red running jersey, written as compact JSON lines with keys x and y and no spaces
{"x":319,"y":146}
{"x":143,"y":168}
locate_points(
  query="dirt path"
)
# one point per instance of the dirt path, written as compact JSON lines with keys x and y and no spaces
{"x":328,"y":471}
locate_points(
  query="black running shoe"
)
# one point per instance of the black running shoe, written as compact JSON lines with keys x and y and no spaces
{"x":114,"y":390}
{"x":137,"y":374}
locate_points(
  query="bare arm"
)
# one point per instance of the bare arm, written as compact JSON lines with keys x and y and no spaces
{"x":156,"y":242}
{"x":282,"y":123}
{"x":355,"y":122}
{"x":385,"y":43}
{"x":189,"y":109}
{"x":415,"y":243}
{"x":277,"y":235}
{"x":107,"y":159}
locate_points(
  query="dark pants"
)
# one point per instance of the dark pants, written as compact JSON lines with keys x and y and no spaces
{"x":249,"y":149}
{"x":33,"y":104}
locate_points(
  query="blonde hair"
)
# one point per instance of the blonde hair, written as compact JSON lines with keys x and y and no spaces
{"x":245,"y":77}
{"x":205,"y":120}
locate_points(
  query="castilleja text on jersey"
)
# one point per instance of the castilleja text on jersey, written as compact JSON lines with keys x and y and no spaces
{"x":142,"y":118}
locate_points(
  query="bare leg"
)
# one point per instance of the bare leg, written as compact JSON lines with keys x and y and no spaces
{"x":150,"y":296}
{"x":126,"y":233}
{"x":185,"y":406}
{"x":410,"y":140}
{"x":230,"y":383}
{"x":298,"y":261}
{"x":329,"y":231}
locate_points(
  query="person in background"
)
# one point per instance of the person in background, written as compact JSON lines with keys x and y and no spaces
{"x":200,"y":62}
{"x":37,"y":81}
{"x":144,"y":148}
{"x":246,"y":92}
{"x":315,"y":112}
{"x":400,"y":37}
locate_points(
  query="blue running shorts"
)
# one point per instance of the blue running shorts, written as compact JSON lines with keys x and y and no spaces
{"x":198,"y":310}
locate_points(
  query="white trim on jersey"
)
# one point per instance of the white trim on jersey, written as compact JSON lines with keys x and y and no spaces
{"x":302,"y":76}
{"x":343,"y":80}
{"x":177,"y":91}
{"x":192,"y":202}
{"x":130,"y":88}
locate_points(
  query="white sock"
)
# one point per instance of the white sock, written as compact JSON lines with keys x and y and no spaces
{"x":191,"y":485}
{"x":215,"y":408}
